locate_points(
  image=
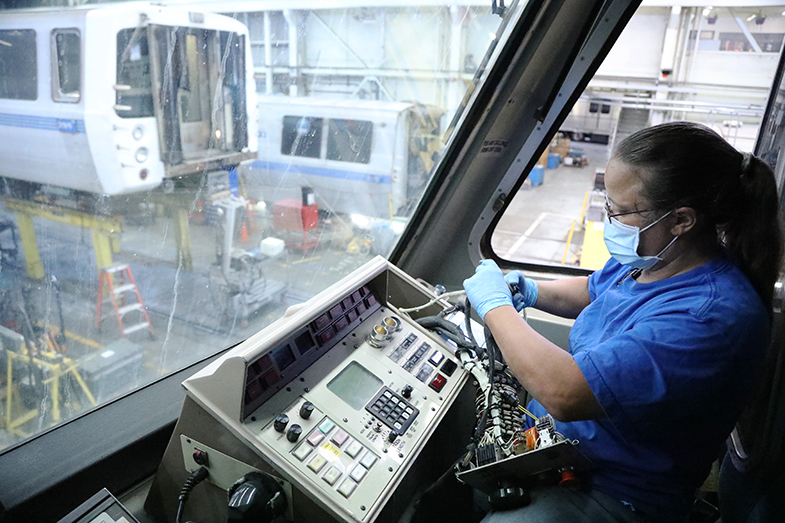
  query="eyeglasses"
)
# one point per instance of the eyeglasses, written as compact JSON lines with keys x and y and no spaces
{"x":610,"y":215}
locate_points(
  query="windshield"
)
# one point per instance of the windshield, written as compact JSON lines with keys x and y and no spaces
{"x":176,"y":197}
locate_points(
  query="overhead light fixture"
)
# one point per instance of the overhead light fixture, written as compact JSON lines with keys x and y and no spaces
{"x":751,"y":18}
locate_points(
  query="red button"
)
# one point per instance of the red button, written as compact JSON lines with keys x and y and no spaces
{"x":438,"y":383}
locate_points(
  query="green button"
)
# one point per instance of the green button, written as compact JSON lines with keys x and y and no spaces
{"x":326,"y":426}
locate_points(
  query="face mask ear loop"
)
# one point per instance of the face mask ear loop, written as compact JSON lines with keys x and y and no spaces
{"x":666,"y":247}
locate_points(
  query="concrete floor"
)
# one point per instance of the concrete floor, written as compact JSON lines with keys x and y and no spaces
{"x":537,"y":223}
{"x":188,"y":309}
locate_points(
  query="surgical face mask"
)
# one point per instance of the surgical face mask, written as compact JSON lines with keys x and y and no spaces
{"x":622,"y":242}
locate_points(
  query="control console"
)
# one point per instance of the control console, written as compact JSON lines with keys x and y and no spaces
{"x":341,"y":394}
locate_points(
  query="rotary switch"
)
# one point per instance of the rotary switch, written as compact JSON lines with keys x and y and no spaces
{"x":306,"y":409}
{"x":293,"y":434}
{"x":280,"y":422}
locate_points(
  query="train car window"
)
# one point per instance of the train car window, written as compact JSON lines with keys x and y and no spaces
{"x":301,"y":136}
{"x":349,"y":140}
{"x":555,"y":220}
{"x":18,"y":64}
{"x":66,"y":65}
{"x":134,"y":80}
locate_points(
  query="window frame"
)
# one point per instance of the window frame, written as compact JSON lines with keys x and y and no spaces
{"x":58,"y":95}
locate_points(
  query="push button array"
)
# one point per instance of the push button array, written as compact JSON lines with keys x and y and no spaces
{"x":328,"y":439}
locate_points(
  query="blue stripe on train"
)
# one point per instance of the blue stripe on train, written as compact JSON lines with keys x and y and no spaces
{"x":321,"y":171}
{"x":43,"y":123}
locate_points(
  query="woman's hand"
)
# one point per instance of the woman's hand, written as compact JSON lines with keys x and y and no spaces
{"x":487,"y":289}
{"x":527,"y":291}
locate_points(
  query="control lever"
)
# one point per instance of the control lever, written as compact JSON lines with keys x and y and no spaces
{"x":392,"y":436}
{"x":407,"y":391}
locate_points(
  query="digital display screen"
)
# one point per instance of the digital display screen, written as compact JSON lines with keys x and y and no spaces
{"x":355,"y":385}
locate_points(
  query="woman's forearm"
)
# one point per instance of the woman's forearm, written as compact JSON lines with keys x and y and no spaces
{"x":548,"y":373}
{"x":565,"y":298}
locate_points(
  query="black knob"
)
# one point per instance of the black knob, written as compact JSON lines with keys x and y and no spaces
{"x":280,"y":422}
{"x":407,"y":392}
{"x":392,"y":435}
{"x":293,"y":434}
{"x":306,"y":409}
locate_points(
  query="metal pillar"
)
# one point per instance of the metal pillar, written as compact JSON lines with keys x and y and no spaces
{"x":35,"y":267}
{"x":294,"y":66}
{"x":183,"y":240}
{"x":268,"y":54}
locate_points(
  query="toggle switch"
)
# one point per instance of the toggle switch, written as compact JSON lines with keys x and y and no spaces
{"x":407,"y":391}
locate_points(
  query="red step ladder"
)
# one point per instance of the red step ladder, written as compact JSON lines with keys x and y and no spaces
{"x":121,"y":296}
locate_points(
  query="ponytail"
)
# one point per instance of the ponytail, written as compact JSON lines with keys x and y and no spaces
{"x":733,"y":194}
{"x":754,"y":236}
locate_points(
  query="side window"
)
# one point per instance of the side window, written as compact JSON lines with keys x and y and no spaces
{"x":301,"y":136}
{"x":66,"y":65}
{"x":134,"y":87}
{"x":18,"y":64}
{"x":349,"y":140}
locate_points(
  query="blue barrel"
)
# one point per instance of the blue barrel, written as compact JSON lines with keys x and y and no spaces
{"x":537,"y":175}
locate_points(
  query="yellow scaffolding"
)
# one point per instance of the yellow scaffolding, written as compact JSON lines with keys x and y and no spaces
{"x":105,"y":231}
{"x":58,"y":366}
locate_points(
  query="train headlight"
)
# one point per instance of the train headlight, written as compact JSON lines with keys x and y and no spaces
{"x":141,"y":154}
{"x":138,"y":132}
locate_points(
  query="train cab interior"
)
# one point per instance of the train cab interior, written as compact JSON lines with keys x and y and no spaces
{"x":299,"y":360}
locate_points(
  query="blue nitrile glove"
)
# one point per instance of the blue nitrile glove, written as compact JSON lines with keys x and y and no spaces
{"x":487,"y":289}
{"x":527,"y":290}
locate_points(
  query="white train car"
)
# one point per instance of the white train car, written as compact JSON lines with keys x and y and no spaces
{"x":115,"y":99}
{"x":359,"y":157}
{"x":591,"y":121}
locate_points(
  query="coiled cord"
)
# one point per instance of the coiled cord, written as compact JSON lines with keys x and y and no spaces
{"x":194,"y":479}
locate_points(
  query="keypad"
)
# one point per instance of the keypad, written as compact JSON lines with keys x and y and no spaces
{"x":392,"y":410}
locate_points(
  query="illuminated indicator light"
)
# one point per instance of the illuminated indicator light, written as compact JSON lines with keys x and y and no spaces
{"x":217,"y":134}
{"x":143,"y":174}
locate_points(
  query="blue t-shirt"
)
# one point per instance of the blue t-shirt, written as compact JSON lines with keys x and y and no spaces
{"x":671,"y":363}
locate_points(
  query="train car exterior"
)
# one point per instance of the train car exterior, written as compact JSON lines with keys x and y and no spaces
{"x":122,"y":97}
{"x":591,"y":121}
{"x":359,"y":157}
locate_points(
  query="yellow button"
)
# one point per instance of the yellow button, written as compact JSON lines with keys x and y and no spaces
{"x":317,"y":463}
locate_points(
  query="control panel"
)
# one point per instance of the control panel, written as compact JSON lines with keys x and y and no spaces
{"x":340,"y":395}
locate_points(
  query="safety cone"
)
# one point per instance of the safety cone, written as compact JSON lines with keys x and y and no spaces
{"x":244,"y":234}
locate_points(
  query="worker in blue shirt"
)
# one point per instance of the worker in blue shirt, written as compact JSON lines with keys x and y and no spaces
{"x":670,"y":336}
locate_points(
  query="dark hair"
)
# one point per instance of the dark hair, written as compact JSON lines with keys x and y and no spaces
{"x":686,"y":164}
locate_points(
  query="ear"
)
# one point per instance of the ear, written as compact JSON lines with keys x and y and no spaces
{"x":685,"y":220}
